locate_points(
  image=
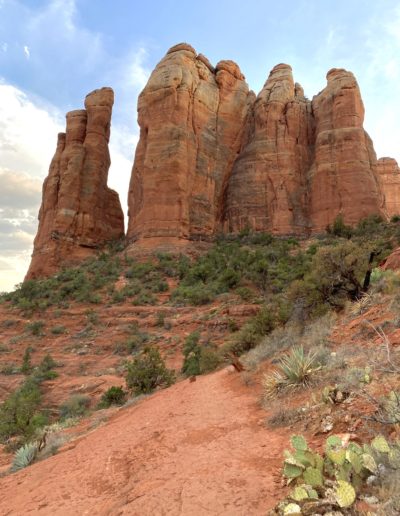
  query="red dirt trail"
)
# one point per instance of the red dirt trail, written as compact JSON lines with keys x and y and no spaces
{"x":197,"y":448}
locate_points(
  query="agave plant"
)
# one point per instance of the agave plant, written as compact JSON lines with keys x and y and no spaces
{"x":24,"y":456}
{"x":295,"y":368}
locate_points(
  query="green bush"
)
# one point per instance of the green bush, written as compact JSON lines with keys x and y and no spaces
{"x":339,"y":228}
{"x":113,"y":396}
{"x":76,"y":406}
{"x":19,"y":413}
{"x":148,"y":371}
{"x":58,"y":330}
{"x":35,"y":327}
{"x":192,"y":354}
{"x":26,"y":367}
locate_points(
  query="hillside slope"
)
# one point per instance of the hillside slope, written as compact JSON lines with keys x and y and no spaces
{"x":195,"y":448}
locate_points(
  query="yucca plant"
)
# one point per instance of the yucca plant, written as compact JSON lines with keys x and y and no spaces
{"x":24,"y":456}
{"x":294,"y":369}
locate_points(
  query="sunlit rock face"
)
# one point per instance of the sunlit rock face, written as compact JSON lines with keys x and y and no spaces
{"x":343,"y":177}
{"x":389,"y":180}
{"x":213,"y":156}
{"x":191,"y":117}
{"x":79,"y":213}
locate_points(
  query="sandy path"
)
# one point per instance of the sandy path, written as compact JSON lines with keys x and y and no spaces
{"x":194,"y":449}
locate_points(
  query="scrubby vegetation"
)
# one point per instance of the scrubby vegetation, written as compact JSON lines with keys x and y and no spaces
{"x":332,"y":481}
{"x":113,"y":396}
{"x":198,"y":359}
{"x":21,"y":414}
{"x":147,"y":371}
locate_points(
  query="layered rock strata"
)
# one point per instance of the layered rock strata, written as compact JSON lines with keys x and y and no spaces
{"x":79,"y":213}
{"x":389,"y":179}
{"x":214,"y":157}
{"x":191,"y":119}
{"x":343,"y":176}
{"x":267,"y":189}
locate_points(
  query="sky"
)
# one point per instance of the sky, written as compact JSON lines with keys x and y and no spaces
{"x":54,"y":52}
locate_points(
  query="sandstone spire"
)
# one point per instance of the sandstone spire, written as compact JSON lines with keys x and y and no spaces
{"x":389,"y":180}
{"x":191,"y":118}
{"x":79,"y":212}
{"x":267,"y":190}
{"x":343,"y":177}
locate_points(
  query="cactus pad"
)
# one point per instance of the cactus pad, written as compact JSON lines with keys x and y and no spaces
{"x":299,"y":443}
{"x":380,"y":444}
{"x":299,"y":494}
{"x":291,"y":470}
{"x":313,"y":477}
{"x":345,"y":494}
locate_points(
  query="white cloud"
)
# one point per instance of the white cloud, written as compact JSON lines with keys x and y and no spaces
{"x":4,"y":47}
{"x":27,"y":52}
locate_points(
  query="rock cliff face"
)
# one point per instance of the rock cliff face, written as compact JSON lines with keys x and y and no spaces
{"x":343,"y":176}
{"x":79,"y":212}
{"x":214,"y":157}
{"x":191,"y":119}
{"x":267,"y":189}
{"x":389,"y":180}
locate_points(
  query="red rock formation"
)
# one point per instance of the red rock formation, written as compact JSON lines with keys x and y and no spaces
{"x":389,"y":180}
{"x":191,"y":119}
{"x":213,"y":157}
{"x":79,"y":212}
{"x":343,"y":176}
{"x":267,"y":190}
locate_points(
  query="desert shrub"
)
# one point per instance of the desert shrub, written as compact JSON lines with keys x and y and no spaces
{"x":192,"y":353}
{"x":35,"y":327}
{"x":24,"y":456}
{"x":245,"y":293}
{"x":148,"y":371}
{"x":197,"y":295}
{"x":294,"y":369}
{"x":58,"y":330}
{"x":198,"y":359}
{"x":133,"y":343}
{"x":339,"y":228}
{"x":278,"y":341}
{"x":19,"y":413}
{"x":285,"y":416}
{"x":144,"y":298}
{"x":113,"y":396}
{"x":75,"y":406}
{"x":337,"y":274}
{"x":26,"y":367}
{"x":45,"y":370}
{"x":395,"y":218}
{"x":10,"y":368}
{"x":251,"y":333}
{"x":210,"y":359}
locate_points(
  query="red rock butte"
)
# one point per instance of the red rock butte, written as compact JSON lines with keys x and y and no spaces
{"x":213,"y":157}
{"x":79,"y":213}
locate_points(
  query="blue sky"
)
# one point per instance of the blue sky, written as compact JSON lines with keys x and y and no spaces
{"x":53,"y":52}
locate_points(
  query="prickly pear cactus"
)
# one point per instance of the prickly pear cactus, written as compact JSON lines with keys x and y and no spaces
{"x":355,"y":460}
{"x":291,"y":471}
{"x":299,"y":443}
{"x":299,"y":494}
{"x":292,"y":509}
{"x":345,"y":494}
{"x":380,"y":444}
{"x":313,"y":477}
